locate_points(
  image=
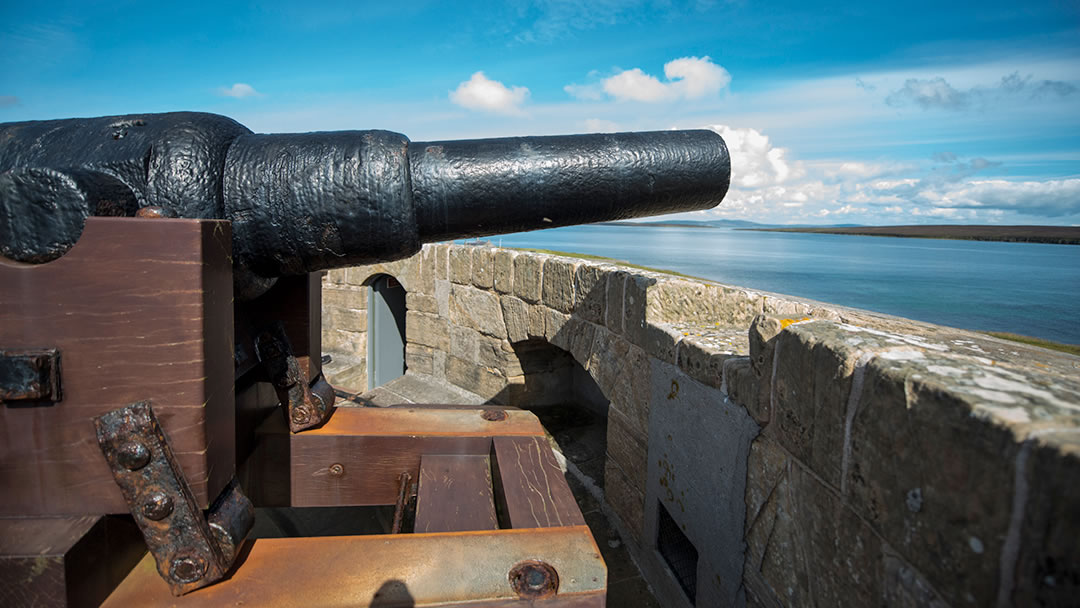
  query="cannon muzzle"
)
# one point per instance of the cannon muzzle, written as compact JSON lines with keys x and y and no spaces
{"x":312,"y":201}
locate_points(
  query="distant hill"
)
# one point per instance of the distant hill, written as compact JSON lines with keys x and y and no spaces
{"x":1062,"y":235}
{"x":693,"y":224}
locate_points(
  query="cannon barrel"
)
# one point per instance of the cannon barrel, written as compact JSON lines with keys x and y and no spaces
{"x":311,"y":201}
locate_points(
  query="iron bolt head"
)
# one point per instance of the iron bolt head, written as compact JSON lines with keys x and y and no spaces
{"x":133,"y":455}
{"x":300,"y":415}
{"x":157,"y":505}
{"x":493,"y":415}
{"x":187,"y":569}
{"x":337,"y":469}
{"x":533,"y":579}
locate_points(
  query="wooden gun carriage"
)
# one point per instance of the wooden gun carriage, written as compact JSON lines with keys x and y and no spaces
{"x":159,"y":382}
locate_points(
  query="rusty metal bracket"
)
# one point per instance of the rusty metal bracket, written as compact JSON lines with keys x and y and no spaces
{"x":307,"y":403}
{"x":191,"y":550}
{"x":30,"y":376}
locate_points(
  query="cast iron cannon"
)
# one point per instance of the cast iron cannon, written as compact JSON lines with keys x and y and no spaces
{"x":142,"y":361}
{"x":312,"y":201}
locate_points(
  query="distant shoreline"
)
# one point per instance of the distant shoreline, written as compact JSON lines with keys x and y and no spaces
{"x":1056,"y":235}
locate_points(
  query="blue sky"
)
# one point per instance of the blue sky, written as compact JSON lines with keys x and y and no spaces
{"x":851,"y":113}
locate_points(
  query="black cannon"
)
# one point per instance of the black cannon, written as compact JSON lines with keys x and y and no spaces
{"x":312,"y":201}
{"x":171,"y":369}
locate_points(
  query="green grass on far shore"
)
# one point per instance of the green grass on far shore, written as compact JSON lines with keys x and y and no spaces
{"x":600,"y":258}
{"x":1071,"y":349}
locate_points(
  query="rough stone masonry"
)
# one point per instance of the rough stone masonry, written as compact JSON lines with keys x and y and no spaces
{"x":811,"y":454}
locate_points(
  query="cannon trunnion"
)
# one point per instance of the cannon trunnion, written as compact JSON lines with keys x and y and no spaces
{"x":160,"y":375}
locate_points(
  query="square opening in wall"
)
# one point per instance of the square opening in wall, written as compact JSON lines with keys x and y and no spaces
{"x":680,"y":554}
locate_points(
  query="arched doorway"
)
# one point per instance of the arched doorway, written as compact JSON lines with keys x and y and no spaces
{"x":386,"y":330}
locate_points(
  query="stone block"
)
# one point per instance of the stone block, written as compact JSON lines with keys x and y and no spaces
{"x":1048,"y":564}
{"x":558,"y":284}
{"x":635,"y":301}
{"x":442,"y":297}
{"x":803,"y":543}
{"x":334,"y":277}
{"x":763,"y":330}
{"x":702,"y":362}
{"x":528,"y":277}
{"x":590,"y":289}
{"x":483,"y":267}
{"x":503,"y":279}
{"x":744,"y":388}
{"x":477,"y":309}
{"x":662,"y":342}
{"x":906,"y":587}
{"x":348,"y":319}
{"x":442,"y":262}
{"x":438,"y":364}
{"x":934,"y":479}
{"x":613,"y":307}
{"x":352,"y":343}
{"x":580,"y":336}
{"x":421,"y":302}
{"x":344,"y":297}
{"x":813,"y":383}
{"x":499,"y":355}
{"x":486,"y":382}
{"x":465,"y":343}
{"x":461,"y":264}
{"x":554,"y":321}
{"x":628,"y":449}
{"x":516,"y":316}
{"x":632,"y":396}
{"x":425,"y":270}
{"x":537,"y":314}
{"x":427,"y":329}
{"x":626,"y":500}
{"x":608,"y":361}
{"x":419,"y":359}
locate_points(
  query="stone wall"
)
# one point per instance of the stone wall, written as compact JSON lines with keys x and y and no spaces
{"x":812,"y":454}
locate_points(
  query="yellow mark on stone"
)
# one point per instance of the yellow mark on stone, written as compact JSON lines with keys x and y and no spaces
{"x":785,"y":322}
{"x":674,"y":390}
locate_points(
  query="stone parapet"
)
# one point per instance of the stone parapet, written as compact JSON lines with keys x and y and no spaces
{"x":859,"y":458}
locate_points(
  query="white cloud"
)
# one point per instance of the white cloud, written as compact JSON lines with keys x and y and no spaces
{"x":767,"y":185}
{"x":599,"y":125}
{"x":686,"y":78}
{"x":239,"y":90}
{"x":482,"y":93}
{"x":8,"y":100}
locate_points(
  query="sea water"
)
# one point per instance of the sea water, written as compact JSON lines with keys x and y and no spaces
{"x":1025,"y":288}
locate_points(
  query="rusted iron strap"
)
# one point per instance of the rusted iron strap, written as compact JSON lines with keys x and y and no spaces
{"x":308,"y":403}
{"x":399,"y":507}
{"x":190,"y":552}
{"x":29,"y":375}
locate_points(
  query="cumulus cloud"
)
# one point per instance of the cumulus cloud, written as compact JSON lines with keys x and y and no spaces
{"x":239,"y":90}
{"x":937,"y":93}
{"x":768,"y":185}
{"x":8,"y":100}
{"x":1053,"y":198}
{"x":685,"y":78}
{"x":481,"y":93}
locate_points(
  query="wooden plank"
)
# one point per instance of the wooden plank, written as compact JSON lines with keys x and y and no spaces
{"x":372,"y":445}
{"x":71,"y":561}
{"x":530,"y":489}
{"x":449,"y":569}
{"x":455,"y":494}
{"x":139,"y":309}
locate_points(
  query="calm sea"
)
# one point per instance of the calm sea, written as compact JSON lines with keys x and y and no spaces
{"x":1024,"y":288}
